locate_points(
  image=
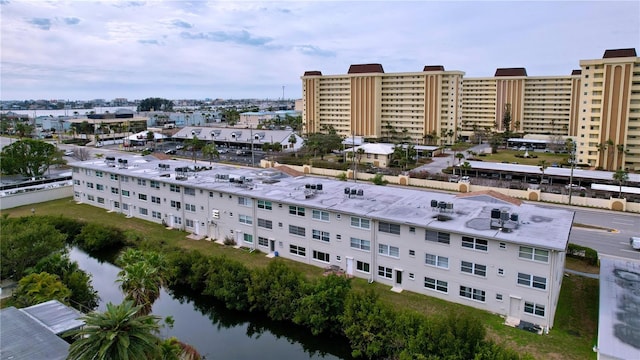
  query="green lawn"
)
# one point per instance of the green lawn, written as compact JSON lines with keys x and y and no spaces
{"x":572,"y":337}
{"x":510,"y":156}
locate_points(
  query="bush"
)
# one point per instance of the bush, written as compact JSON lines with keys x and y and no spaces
{"x":96,"y":237}
{"x":379,"y":180}
{"x":229,"y":240}
{"x":342,"y":176}
{"x":584,"y":253}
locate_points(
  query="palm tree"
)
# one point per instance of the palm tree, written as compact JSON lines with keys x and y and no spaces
{"x":543,"y":166}
{"x":620,"y":176}
{"x":142,"y":276}
{"x":118,"y":333}
{"x":466,"y":167}
{"x":210,"y":151}
{"x":459,"y":156}
{"x":292,"y":141}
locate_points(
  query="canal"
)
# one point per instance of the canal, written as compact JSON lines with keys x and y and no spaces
{"x":216,"y":332}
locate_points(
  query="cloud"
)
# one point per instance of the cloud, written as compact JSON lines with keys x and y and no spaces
{"x":71,"y":21}
{"x":41,"y":23}
{"x":313,"y":51}
{"x":181,"y":24}
{"x":242,"y":37}
{"x":149,"y":42}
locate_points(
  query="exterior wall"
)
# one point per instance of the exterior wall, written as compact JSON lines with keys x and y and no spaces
{"x":10,"y":201}
{"x":609,"y":131}
{"x":479,"y":103}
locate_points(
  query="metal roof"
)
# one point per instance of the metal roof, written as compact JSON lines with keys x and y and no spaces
{"x":56,"y":316}
{"x":619,"y":313}
{"x":537,"y":226}
{"x":550,"y":171}
{"x":23,"y":337}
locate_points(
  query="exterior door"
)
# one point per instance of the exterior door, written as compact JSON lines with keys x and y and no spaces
{"x":349,"y":266}
{"x":398,"y":277}
{"x":272,"y":245}
{"x":514,"y":307}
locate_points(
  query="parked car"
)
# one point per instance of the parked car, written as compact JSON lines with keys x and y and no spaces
{"x":223,"y":151}
{"x":634,"y":241}
{"x":454,"y":178}
{"x":575,"y":187}
{"x":179,"y":147}
{"x":69,"y":153}
{"x":170,"y":151}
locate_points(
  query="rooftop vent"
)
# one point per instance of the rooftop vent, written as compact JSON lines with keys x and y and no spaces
{"x":495,"y":213}
{"x":164,"y":167}
{"x":319,"y":187}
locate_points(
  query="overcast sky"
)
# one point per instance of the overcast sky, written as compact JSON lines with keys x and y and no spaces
{"x":82,"y":50}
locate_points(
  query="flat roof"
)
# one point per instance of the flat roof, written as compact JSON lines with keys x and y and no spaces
{"x":23,"y":337}
{"x":551,"y":171}
{"x":236,"y":135}
{"x":619,"y":312}
{"x":469,"y":214}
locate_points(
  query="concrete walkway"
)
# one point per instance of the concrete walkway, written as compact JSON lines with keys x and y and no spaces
{"x":579,"y":273}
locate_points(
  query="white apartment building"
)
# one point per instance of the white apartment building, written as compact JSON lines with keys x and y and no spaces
{"x":478,"y":249}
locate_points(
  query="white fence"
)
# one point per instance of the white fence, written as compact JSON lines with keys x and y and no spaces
{"x":19,"y":197}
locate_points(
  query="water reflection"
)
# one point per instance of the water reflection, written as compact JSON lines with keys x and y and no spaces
{"x":218,"y":333}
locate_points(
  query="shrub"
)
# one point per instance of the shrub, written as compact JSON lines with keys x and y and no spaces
{"x":342,"y":176}
{"x":229,"y":240}
{"x":589,"y":255}
{"x":96,"y":237}
{"x":379,"y":180}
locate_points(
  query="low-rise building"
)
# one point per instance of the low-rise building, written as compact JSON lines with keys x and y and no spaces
{"x":483,"y":250}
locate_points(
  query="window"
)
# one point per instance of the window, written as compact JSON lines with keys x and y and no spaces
{"x":188,"y":223}
{"x":100,"y":187}
{"x":320,"y":215}
{"x":361,"y":244}
{"x":125,"y":193}
{"x":296,"y":210}
{"x":389,"y":228}
{"x":320,"y":256}
{"x":91,"y":198}
{"x":190,"y":207}
{"x":266,"y":205}
{"x":143,"y":211}
{"x":499,"y":297}
{"x":471,"y":268}
{"x":533,"y":281}
{"x":248,"y":238}
{"x":76,"y":182}
{"x":385,"y":272}
{"x":362,"y":266}
{"x":175,"y":204}
{"x":245,"y":219}
{"x":412,"y":229}
{"x":155,"y":200}
{"x":142,"y":182}
{"x":114,"y":190}
{"x":533,"y":308}
{"x":320,"y":235}
{"x":154,"y":184}
{"x":100,"y":200}
{"x":477,"y":244}
{"x":437,"y":285}
{"x":267,"y":224}
{"x":474,"y":294}
{"x":297,"y":230}
{"x":125,"y":206}
{"x":297,"y":250}
{"x":437,"y":261}
{"x":263,"y":241}
{"x":190,"y":191}
{"x":242,"y":201}
{"x":116,"y":204}
{"x":174,"y":188}
{"x":89,"y":185}
{"x":361,"y":223}
{"x":156,"y":215}
{"x":177,"y":220}
{"x":388,"y":250}
{"x":412,"y":253}
{"x":142,"y":197}
{"x":99,"y":174}
{"x":534,"y":254}
{"x":113,"y":176}
{"x":437,"y":236}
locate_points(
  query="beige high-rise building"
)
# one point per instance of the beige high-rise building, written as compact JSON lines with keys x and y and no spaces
{"x":608,"y":129}
{"x":598,"y":106}
{"x":418,"y":107}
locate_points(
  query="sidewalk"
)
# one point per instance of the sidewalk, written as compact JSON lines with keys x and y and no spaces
{"x":589,"y":275}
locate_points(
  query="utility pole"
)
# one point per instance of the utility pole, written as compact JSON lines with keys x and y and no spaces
{"x":572,"y":157}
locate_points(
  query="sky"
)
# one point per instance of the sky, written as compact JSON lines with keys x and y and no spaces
{"x":83,"y":50}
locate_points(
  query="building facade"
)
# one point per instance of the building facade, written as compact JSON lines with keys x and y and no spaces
{"x":480,"y":249}
{"x":598,"y":106}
